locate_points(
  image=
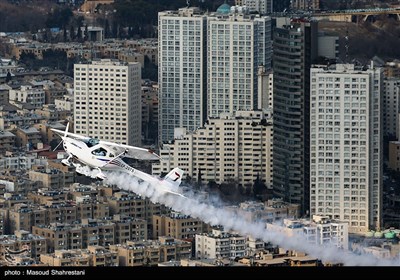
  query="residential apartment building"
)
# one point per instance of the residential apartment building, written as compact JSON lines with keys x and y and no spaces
{"x":33,"y":245}
{"x":7,"y":141}
{"x":346,"y":145}
{"x":295,"y":47}
{"x":92,"y":256}
{"x":182,"y":70}
{"x":53,"y":179}
{"x":152,"y":252}
{"x":220,"y":244}
{"x":129,"y":229}
{"x":394,"y":155}
{"x":305,"y":5}
{"x":34,"y":96}
{"x":238,"y":43}
{"x":65,"y":258}
{"x":178,"y":226}
{"x":320,"y":230}
{"x":262,"y":6}
{"x":107,"y":101}
{"x":391,"y":106}
{"x":233,"y":148}
{"x":270,"y":211}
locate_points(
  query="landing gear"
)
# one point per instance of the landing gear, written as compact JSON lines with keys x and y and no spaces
{"x":66,"y":161}
{"x":100,"y":175}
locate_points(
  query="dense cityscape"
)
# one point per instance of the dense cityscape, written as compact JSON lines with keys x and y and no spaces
{"x":284,"y":117}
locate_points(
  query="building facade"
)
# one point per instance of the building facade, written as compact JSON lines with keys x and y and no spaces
{"x":234,"y":148}
{"x":295,"y":47}
{"x":107,"y":101}
{"x":182,"y":72}
{"x":237,"y":43}
{"x":346,"y":145}
{"x":391,"y":106}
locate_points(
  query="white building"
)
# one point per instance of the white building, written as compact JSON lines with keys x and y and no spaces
{"x":65,"y":103}
{"x":346,"y":145}
{"x":220,"y":244}
{"x":209,"y":57}
{"x":28,"y":94}
{"x":378,"y":252}
{"x":107,"y":101}
{"x":19,"y":162}
{"x":234,"y":148}
{"x":270,"y":211}
{"x":238,"y":43}
{"x":391,"y":106}
{"x":261,"y":6}
{"x":321,"y":230}
{"x":181,"y":66}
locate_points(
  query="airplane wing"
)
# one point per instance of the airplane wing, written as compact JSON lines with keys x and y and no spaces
{"x":69,"y":134}
{"x":131,"y":151}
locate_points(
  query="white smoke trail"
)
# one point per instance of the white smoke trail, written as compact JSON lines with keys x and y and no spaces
{"x":214,"y":215}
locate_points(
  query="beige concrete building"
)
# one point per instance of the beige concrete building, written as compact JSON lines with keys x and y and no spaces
{"x":65,"y":258}
{"x":129,"y":229}
{"x":127,"y":204}
{"x":44,"y":195}
{"x":97,"y":232}
{"x":91,"y":209}
{"x":27,"y":94}
{"x":8,"y":200}
{"x":20,"y":218}
{"x":152,"y":252}
{"x":99,"y":256}
{"x":13,"y":120}
{"x":92,"y":256}
{"x":35,"y":49}
{"x":28,"y":138}
{"x":51,"y":178}
{"x":178,"y":226}
{"x":23,"y":242}
{"x":60,"y":236}
{"x":107,"y":101}
{"x":220,"y":244}
{"x":235,"y":148}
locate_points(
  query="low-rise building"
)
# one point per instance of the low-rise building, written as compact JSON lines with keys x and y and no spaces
{"x":178,"y":225}
{"x":320,"y":230}
{"x":220,"y":244}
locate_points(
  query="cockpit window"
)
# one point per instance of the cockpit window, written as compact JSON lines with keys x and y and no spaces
{"x":92,"y":142}
{"x":100,"y":152}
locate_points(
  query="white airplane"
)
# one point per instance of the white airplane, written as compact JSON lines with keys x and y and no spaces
{"x":91,"y":156}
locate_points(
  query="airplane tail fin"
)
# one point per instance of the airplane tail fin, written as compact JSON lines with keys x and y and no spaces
{"x":174,"y":177}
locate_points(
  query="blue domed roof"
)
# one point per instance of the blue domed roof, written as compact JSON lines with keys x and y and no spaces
{"x":224,"y":9}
